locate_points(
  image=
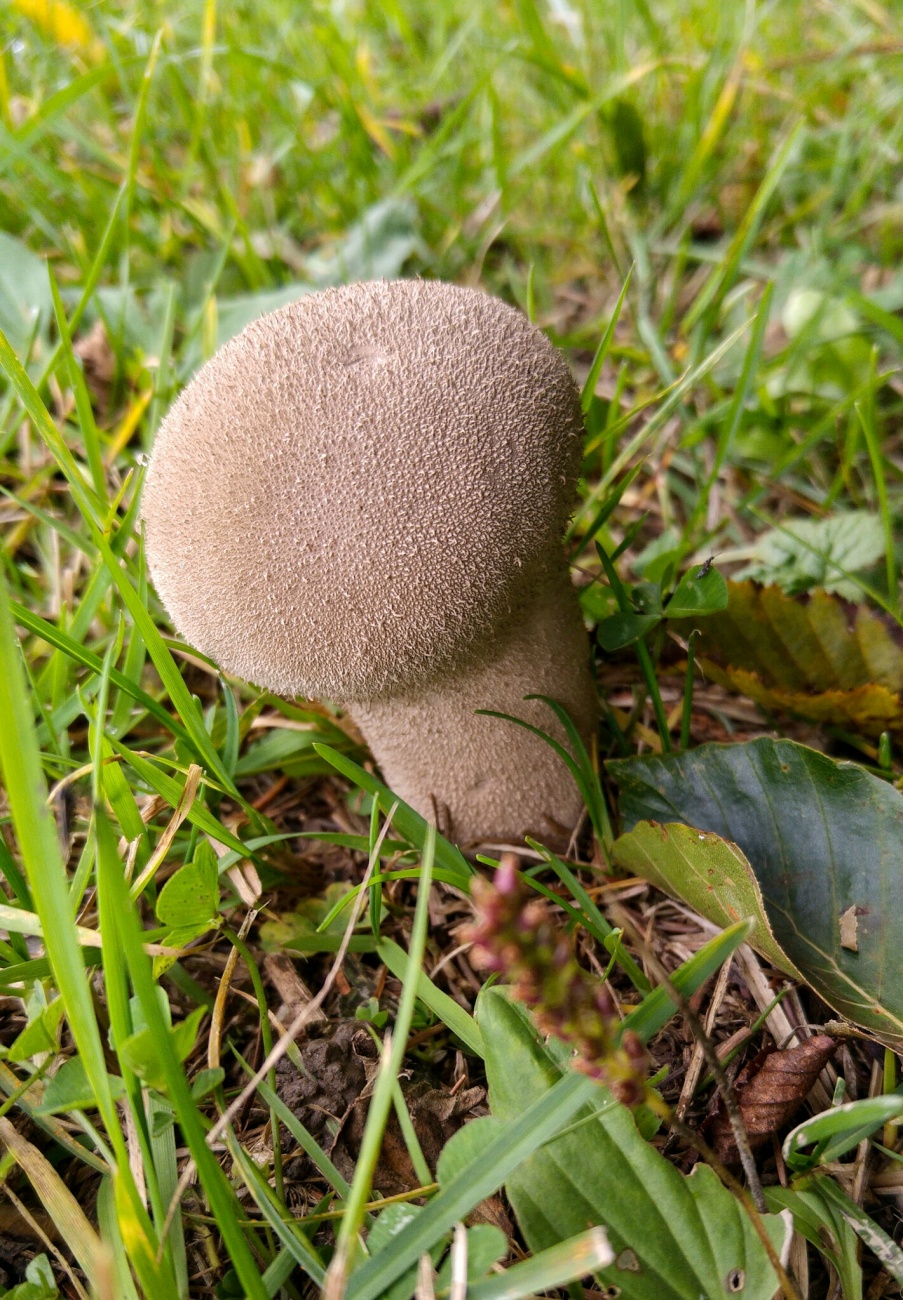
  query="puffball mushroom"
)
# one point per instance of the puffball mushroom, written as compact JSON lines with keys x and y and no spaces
{"x":361,"y":498}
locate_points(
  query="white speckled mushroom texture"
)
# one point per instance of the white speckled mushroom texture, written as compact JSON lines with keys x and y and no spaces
{"x":361,"y":498}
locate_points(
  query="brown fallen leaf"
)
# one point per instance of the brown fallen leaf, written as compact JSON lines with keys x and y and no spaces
{"x":770,"y":1090}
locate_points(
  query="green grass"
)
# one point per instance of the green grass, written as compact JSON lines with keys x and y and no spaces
{"x":701,"y":203}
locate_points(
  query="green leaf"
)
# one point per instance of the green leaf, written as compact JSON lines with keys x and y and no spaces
{"x":513,"y":1142}
{"x":466,"y":1147}
{"x":90,"y":510}
{"x":39,"y":1035}
{"x":825,"y":841}
{"x":657,"y":1008}
{"x":807,"y":553}
{"x":39,"y":1283}
{"x":172,"y":790}
{"x":647,"y":597}
{"x":557,"y":1265}
{"x":441,"y":1005}
{"x":700,"y":591}
{"x":709,"y":873}
{"x":78,"y":654}
{"x":674,"y":1238}
{"x":620,"y":630}
{"x":884,"y":1247}
{"x":381,"y":1237}
{"x":70,"y":1089}
{"x":26,"y":306}
{"x":285,"y":749}
{"x":486,"y":1245}
{"x":143,"y":1052}
{"x":179,"y":937}
{"x":189,"y":898}
{"x":206,"y":1081}
{"x":629,"y":141}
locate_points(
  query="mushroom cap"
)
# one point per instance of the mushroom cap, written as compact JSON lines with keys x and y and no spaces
{"x":359,"y":486}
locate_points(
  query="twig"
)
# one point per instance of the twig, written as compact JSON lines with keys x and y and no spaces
{"x":694,"y":1069}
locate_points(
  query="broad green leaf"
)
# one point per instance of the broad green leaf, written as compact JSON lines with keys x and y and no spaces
{"x":707,"y":872}
{"x":486,"y":1245}
{"x":39,"y":1035}
{"x":620,"y":630}
{"x":674,"y":1238}
{"x":701,"y":591}
{"x":39,"y":1283}
{"x":143,"y":1052}
{"x":647,"y":598}
{"x":179,"y":937}
{"x":190,"y":897}
{"x":806,"y":553}
{"x":465,"y":1147}
{"x":502,"y":1153}
{"x":70,"y":1089}
{"x":825,"y":841}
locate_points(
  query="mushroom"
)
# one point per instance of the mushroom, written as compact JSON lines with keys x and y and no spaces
{"x":362,"y":498}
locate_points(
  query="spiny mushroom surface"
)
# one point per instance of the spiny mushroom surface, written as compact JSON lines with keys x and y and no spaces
{"x":361,"y":498}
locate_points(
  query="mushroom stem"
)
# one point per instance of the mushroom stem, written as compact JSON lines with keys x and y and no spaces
{"x":482,"y":778}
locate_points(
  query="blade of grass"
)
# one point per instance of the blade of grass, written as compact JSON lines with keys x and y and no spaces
{"x":642,"y":651}
{"x":595,"y":370}
{"x":410,"y":823}
{"x":26,"y":791}
{"x":461,"y":1024}
{"x":381,"y":1102}
{"x":865,"y":412}
{"x":218,"y":1191}
{"x":725,"y":273}
{"x":163,"y":661}
{"x":728,"y":430}
{"x":78,"y":654}
{"x":555,"y":1266}
{"x":593,"y":919}
{"x":514,"y":1143}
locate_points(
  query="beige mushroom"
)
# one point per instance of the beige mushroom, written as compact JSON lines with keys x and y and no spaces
{"x":362,"y":498}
